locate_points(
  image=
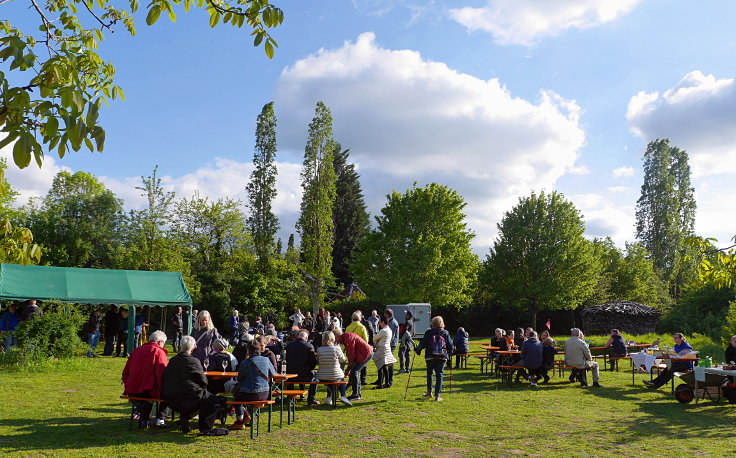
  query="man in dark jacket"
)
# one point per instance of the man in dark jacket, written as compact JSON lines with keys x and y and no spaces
{"x":301,"y":360}
{"x":111,"y":329}
{"x":185,"y":389}
{"x":393,"y":325}
{"x":531,"y":358}
{"x":177,"y":322}
{"x":92,"y":328}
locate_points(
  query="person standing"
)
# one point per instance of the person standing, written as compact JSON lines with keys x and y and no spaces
{"x":8,"y":323}
{"x":31,"y":310}
{"x":140,"y":320}
{"x":143,"y":376}
{"x":92,"y":328}
{"x":356,"y":327}
{"x":204,"y":335}
{"x":297,"y":318}
{"x":394,"y":326}
{"x":122,"y":334}
{"x":373,"y":320}
{"x":177,"y":322}
{"x":438,"y":347}
{"x":359,"y":354}
{"x":383,"y":356}
{"x":234,"y":323}
{"x":112,"y":318}
{"x":406,"y":343}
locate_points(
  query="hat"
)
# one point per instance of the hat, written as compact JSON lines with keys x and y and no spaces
{"x":220,"y":344}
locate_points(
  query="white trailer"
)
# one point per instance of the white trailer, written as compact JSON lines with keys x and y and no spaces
{"x":422,"y":313}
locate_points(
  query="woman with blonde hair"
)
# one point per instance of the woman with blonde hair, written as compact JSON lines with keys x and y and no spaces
{"x":438,"y":345}
{"x":205,"y":333}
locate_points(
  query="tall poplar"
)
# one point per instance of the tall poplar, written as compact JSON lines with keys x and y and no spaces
{"x":349,"y":215}
{"x":665,"y":211}
{"x":261,"y":188}
{"x":315,"y":223}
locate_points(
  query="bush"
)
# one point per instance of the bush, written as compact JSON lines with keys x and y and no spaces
{"x":701,"y":311}
{"x":729,"y":327}
{"x":52,"y":335}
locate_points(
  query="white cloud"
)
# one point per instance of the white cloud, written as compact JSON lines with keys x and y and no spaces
{"x":618,"y":189}
{"x":623,"y":172}
{"x":697,"y":114}
{"x":405,"y":118}
{"x":605,"y":218}
{"x":524,"y":22}
{"x":30,"y":182}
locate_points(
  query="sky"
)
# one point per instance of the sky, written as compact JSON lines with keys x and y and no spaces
{"x":493,"y":98}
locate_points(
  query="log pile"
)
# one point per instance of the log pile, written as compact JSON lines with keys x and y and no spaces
{"x":629,"y":317}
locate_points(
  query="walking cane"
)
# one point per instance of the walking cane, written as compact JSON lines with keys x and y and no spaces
{"x":408,"y":380}
{"x":450,"y":379}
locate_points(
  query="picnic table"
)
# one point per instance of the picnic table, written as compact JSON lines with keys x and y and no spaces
{"x":507,"y":356}
{"x":649,"y":362}
{"x":220,"y":374}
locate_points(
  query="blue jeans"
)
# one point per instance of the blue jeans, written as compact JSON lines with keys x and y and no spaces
{"x":8,"y":342}
{"x":92,"y":340}
{"x":354,"y":379}
{"x":438,"y":367}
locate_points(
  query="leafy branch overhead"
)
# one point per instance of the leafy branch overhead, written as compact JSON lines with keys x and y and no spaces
{"x":57,"y":82}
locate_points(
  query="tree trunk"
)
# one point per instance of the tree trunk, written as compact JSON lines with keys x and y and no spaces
{"x":533,"y":312}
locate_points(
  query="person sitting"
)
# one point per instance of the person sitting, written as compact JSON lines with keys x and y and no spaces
{"x":531,"y":358}
{"x":331,"y":358}
{"x":143,"y":377}
{"x":548,"y":356}
{"x":682,"y":348}
{"x":185,"y":389}
{"x":460,"y":345}
{"x":498,"y":337}
{"x":254,"y":382}
{"x":205,"y":333}
{"x":508,"y":342}
{"x":262,"y":342}
{"x":520,"y":337}
{"x":301,"y":360}
{"x":543,"y":335}
{"x":577,"y":355}
{"x":383,"y":356}
{"x":731,"y":352}
{"x":616,"y":347}
{"x":218,"y":356}
{"x":359,"y":354}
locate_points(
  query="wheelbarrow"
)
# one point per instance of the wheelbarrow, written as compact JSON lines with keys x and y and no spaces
{"x":711,"y":387}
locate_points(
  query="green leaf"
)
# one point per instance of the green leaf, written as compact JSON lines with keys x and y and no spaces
{"x":5,"y":141}
{"x":153,"y":14}
{"x":22,"y":153}
{"x":214,"y":19}
{"x":52,"y":126}
{"x":268,"y":47}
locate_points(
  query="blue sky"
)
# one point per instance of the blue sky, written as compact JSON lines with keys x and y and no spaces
{"x":493,"y":98}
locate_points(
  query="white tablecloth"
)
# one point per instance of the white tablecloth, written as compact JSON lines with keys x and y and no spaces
{"x":643,"y":359}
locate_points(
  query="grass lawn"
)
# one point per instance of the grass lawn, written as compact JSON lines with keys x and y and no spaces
{"x":75,"y":411}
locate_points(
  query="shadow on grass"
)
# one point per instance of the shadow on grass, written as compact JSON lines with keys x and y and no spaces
{"x":84,"y":432}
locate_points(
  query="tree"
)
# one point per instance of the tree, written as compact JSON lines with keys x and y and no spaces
{"x":315,"y":223}
{"x":79,"y":222}
{"x":16,"y":243}
{"x":540,"y":259}
{"x":636,"y":279}
{"x":261,"y":189}
{"x":54,"y":102}
{"x":211,"y":234}
{"x":717,"y":266}
{"x":349,"y":215}
{"x":665,"y":211}
{"x":419,"y":251}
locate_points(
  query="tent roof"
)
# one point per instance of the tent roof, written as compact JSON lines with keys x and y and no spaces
{"x":93,"y":286}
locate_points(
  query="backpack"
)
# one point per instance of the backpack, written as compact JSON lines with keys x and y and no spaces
{"x":438,"y":346}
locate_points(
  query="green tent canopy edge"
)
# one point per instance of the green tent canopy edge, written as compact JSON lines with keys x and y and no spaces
{"x":93,"y":286}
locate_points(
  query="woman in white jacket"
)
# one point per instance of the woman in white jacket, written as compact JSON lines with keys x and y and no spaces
{"x":382,"y":356}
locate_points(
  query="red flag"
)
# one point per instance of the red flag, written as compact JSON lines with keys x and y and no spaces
{"x":549,"y":324}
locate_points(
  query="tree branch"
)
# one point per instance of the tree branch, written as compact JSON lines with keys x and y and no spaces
{"x":47,"y":25}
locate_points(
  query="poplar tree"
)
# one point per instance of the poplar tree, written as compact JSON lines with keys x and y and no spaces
{"x":665,"y":211}
{"x":261,"y":188}
{"x":349,"y":215}
{"x":315,"y":223}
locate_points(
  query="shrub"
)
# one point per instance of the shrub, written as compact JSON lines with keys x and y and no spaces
{"x":701,"y":311}
{"x":729,"y":327}
{"x":51,"y":335}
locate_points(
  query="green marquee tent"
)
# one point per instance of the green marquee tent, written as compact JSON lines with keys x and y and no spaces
{"x":95,"y":286}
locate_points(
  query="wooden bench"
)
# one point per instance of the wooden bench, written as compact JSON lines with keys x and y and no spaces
{"x":335,"y":384}
{"x":615,"y":359}
{"x":132,"y":400}
{"x":485,"y":362}
{"x":507,"y":372}
{"x":292,"y":396}
{"x":254,"y":408}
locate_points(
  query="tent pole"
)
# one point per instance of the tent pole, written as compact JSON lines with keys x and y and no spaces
{"x":131,"y":328}
{"x":189,"y":321}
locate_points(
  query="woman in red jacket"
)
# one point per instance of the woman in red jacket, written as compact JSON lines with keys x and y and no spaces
{"x":143,"y":376}
{"x":359,"y":353}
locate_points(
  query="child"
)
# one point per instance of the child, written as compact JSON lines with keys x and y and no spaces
{"x":460,"y":343}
